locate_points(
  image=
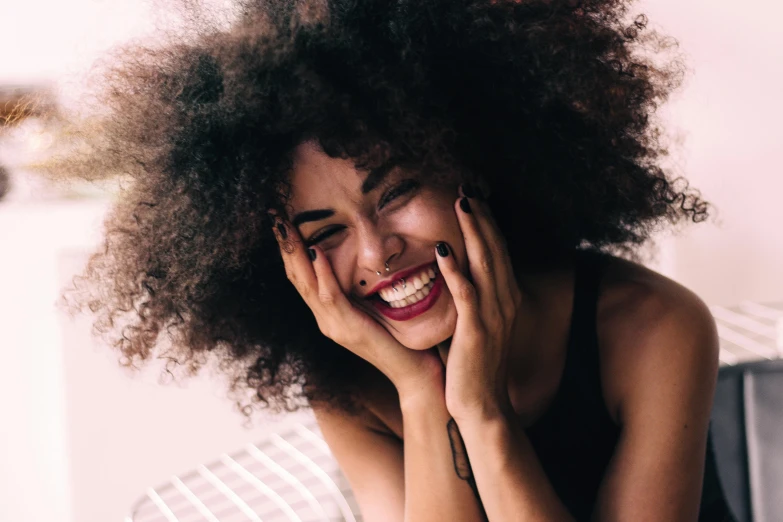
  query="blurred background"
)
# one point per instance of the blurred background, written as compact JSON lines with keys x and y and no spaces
{"x":82,"y":440}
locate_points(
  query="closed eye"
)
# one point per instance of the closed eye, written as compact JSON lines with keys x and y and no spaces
{"x":320,"y":237}
{"x":403,"y":188}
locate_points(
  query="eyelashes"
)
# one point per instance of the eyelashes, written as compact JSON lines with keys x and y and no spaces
{"x":399,"y":190}
{"x":320,"y":237}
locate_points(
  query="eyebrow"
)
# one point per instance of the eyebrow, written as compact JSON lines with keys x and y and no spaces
{"x":371,"y":182}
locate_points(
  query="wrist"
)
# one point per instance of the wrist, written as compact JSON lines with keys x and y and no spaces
{"x":427,"y":383}
{"x":489,"y":412}
{"x":423,"y":397}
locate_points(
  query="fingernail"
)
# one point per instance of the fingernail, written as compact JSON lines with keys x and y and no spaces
{"x":442,"y":249}
{"x":472,"y":191}
{"x":282,"y":230}
{"x":311,"y":251}
{"x":464,"y":205}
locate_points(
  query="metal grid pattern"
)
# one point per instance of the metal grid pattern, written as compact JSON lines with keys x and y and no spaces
{"x":290,"y":476}
{"x":749,"y":332}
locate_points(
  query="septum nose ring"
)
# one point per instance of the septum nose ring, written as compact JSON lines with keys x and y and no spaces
{"x":387,"y":268}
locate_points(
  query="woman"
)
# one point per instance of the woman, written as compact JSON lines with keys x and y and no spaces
{"x":404,"y":213}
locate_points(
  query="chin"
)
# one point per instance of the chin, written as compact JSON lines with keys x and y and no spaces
{"x":431,"y":338}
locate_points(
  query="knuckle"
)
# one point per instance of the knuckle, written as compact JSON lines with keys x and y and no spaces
{"x":465,"y":291}
{"x":326,"y":298}
{"x":326,"y":331}
{"x":350,"y":341}
{"x":288,"y":247}
{"x":304,"y":290}
{"x":485,"y":265}
{"x":495,"y":323}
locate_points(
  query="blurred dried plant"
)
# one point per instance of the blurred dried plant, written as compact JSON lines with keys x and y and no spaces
{"x":34,"y":135}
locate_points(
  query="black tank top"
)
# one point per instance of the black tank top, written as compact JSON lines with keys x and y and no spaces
{"x":576,"y":437}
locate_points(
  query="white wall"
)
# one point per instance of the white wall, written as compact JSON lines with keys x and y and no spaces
{"x":33,"y":449}
{"x":43,"y":40}
{"x":730,"y":114}
{"x":82,"y":439}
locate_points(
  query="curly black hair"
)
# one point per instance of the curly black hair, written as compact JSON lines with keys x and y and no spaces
{"x":548,"y":103}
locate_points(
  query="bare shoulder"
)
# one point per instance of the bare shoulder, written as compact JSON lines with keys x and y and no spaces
{"x":652,"y":332}
{"x":370,"y":456}
{"x":377,"y":409}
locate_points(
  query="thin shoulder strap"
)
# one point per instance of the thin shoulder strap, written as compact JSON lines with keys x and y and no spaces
{"x":582,"y":361}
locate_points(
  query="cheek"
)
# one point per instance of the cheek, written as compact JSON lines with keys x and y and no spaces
{"x":340,"y":260}
{"x":433,"y":216}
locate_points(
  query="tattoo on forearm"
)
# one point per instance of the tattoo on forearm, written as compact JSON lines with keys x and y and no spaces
{"x":461,"y":462}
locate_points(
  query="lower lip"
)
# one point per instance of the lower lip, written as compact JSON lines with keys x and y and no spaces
{"x":411,"y":311}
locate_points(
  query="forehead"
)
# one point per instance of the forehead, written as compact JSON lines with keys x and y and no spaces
{"x":314,"y":172}
{"x":317,"y":177}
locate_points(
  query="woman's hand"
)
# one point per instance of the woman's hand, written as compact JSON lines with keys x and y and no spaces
{"x":411,"y":371}
{"x":476,"y":369}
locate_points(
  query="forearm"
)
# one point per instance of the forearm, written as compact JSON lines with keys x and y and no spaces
{"x":512,"y":484}
{"x":437,"y":476}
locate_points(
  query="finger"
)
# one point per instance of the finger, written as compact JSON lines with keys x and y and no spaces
{"x":505,"y":279}
{"x":482,"y":266}
{"x":298,"y":267}
{"x":329,"y":291}
{"x":462,"y":291}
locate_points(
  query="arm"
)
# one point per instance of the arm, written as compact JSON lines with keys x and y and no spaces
{"x":663,"y":362}
{"x":417,"y":481}
{"x":665,"y":385}
{"x":511,"y":481}
{"x":438,"y":480}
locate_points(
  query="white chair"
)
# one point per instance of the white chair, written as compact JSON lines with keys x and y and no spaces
{"x":289,"y":476}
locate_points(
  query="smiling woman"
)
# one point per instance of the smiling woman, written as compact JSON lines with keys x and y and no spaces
{"x":408,"y":210}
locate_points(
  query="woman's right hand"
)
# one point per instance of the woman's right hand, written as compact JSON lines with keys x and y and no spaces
{"x":411,"y":371}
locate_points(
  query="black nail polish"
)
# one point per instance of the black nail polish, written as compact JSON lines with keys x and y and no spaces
{"x":464,"y":205}
{"x":311,"y":252}
{"x":472,"y":191}
{"x":282,"y":230}
{"x":442,"y":249}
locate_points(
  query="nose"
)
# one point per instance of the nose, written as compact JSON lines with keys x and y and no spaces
{"x":375,"y":247}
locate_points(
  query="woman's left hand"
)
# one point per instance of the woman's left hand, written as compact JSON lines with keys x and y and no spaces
{"x":477,"y":360}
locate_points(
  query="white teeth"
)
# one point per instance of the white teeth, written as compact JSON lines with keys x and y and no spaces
{"x":415,"y":298}
{"x":412,"y":285}
{"x":416,"y":288}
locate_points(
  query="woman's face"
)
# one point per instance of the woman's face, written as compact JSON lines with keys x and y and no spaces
{"x":399,"y":220}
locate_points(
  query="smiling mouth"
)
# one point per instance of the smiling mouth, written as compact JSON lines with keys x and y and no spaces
{"x":413,"y":305}
{"x":409,"y":290}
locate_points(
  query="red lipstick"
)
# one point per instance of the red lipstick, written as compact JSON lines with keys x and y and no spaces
{"x":411,"y":311}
